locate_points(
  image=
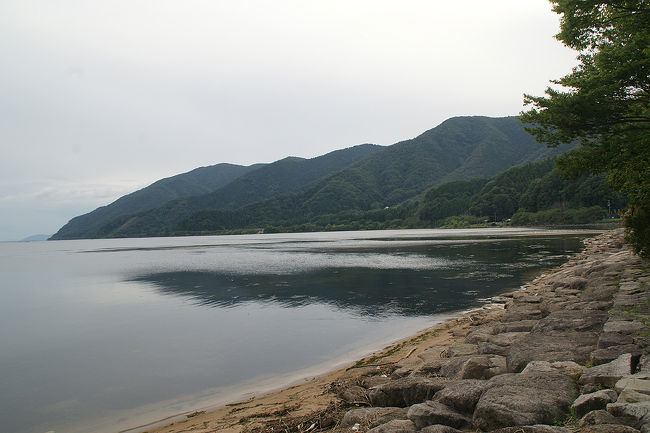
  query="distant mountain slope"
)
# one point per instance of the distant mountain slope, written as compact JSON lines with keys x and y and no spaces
{"x":198,"y":181}
{"x":281,"y":177}
{"x":462,"y":147}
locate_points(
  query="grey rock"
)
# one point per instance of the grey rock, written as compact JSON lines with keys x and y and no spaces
{"x":462,"y":396}
{"x":506,"y":339}
{"x":441,"y":367}
{"x":406,"y":367}
{"x":572,"y":320}
{"x":463,"y":367}
{"x":594,"y":401}
{"x":608,"y":374}
{"x":643,"y":341}
{"x":433,"y":412}
{"x":487,"y":348}
{"x":354,"y":394}
{"x":590,"y":305}
{"x":395,"y":426}
{"x":370,"y":417}
{"x":638,"y":411}
{"x":631,"y":396}
{"x":568,"y":368}
{"x":609,"y":339}
{"x":460,"y":349}
{"x":520,"y":326}
{"x":623,"y":327}
{"x":539,"y":428}
{"x":598,"y":417}
{"x":406,"y":391}
{"x":517,"y":313}
{"x":482,"y":367}
{"x":524,"y":399}
{"x":479,"y":335}
{"x":639,"y":382}
{"x":575,"y":283}
{"x":609,"y":428}
{"x":438,"y":428}
{"x":567,"y":346}
{"x":433,"y":352}
{"x":601,"y":356}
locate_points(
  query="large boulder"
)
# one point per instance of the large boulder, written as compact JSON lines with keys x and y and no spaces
{"x":482,"y":367}
{"x":569,"y":368}
{"x":567,"y":346}
{"x":463,"y":367}
{"x":433,"y":412}
{"x":524,"y":399}
{"x":602,"y":356}
{"x":462,"y":396}
{"x":633,"y":389}
{"x":640,"y":412}
{"x":593,"y":401}
{"x":406,"y":391}
{"x":608,"y":374}
{"x":599,"y":416}
{"x":572,"y":320}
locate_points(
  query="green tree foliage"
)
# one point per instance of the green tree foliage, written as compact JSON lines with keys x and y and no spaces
{"x":583,"y":215}
{"x":499,"y":198}
{"x":604,"y":103}
{"x":452,"y":198}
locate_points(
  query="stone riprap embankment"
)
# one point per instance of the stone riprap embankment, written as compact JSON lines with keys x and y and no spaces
{"x":568,"y":352}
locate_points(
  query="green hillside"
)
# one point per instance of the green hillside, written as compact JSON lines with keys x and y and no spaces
{"x":198,"y":181}
{"x":464,"y":146}
{"x":530,"y":194}
{"x":280,"y":177}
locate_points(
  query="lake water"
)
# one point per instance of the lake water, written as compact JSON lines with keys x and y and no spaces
{"x":104,"y":335}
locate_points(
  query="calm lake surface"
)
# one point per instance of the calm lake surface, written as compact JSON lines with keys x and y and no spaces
{"x":104,"y":335}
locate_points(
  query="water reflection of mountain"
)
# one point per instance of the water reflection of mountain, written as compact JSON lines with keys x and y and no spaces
{"x":492,"y":267}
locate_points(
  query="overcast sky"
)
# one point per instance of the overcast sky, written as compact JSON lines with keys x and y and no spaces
{"x":98,"y":99}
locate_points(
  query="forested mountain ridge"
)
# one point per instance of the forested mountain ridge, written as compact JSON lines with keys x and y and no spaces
{"x":530,"y":194}
{"x":461,"y":147}
{"x":197,"y":181}
{"x":256,"y":182}
{"x":281,"y":177}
